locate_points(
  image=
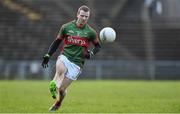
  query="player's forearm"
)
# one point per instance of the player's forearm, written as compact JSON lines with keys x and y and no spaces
{"x":96,"y":48}
{"x":53,"y":47}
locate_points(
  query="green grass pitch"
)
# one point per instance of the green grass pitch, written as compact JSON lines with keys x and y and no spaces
{"x":84,"y":96}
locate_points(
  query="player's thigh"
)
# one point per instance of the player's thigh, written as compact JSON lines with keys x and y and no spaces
{"x":60,"y":67}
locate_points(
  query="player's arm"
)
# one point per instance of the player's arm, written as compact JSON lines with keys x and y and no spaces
{"x":96,"y":49}
{"x":52,"y":48}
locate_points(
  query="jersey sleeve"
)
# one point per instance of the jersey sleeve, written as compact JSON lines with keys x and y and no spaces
{"x":94,"y":37}
{"x":61,"y":33}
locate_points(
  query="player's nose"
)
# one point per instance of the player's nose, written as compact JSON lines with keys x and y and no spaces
{"x":84,"y":18}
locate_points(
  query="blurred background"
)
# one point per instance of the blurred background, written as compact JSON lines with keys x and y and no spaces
{"x":147,"y":44}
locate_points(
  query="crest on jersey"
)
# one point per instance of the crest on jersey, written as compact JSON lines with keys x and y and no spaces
{"x":71,"y":31}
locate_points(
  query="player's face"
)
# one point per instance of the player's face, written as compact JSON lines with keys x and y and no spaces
{"x":82,"y":18}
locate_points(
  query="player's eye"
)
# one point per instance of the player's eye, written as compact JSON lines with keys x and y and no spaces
{"x":84,"y":16}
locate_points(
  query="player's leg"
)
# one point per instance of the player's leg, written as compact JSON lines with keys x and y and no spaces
{"x":62,"y":93}
{"x":68,"y":76}
{"x":62,"y":89}
{"x":57,"y":80}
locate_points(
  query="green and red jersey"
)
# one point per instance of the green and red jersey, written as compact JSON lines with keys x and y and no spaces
{"x":76,"y":41}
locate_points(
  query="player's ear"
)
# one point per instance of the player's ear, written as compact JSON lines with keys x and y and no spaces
{"x":90,"y":15}
{"x":77,"y":13}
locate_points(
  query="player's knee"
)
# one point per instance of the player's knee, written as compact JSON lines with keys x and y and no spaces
{"x":58,"y":72}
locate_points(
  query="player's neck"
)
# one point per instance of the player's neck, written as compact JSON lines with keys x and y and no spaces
{"x":80,"y":25}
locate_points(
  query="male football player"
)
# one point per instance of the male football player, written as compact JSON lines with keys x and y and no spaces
{"x":76,"y":36}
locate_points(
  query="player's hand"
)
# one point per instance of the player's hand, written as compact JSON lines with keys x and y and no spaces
{"x":45,"y":60}
{"x":89,"y":54}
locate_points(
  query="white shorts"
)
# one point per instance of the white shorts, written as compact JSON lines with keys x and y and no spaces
{"x":73,"y":70}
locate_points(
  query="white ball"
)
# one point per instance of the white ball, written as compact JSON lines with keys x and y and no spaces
{"x":107,"y":34}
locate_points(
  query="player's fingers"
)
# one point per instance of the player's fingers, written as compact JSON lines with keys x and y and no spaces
{"x":42,"y":64}
{"x":46,"y":65}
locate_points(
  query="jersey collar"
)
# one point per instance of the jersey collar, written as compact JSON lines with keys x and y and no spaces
{"x":77,"y":26}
